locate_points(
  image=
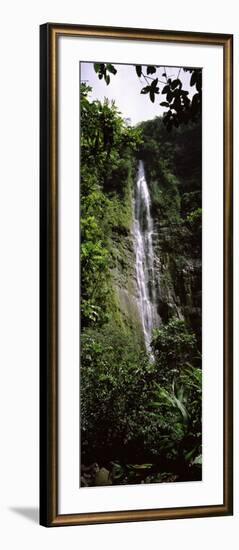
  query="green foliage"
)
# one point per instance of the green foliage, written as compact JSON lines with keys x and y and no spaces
{"x":105,"y":139}
{"x":107,"y":146}
{"x":177,"y":394}
{"x":94,"y":259}
{"x":181,"y":405}
{"x":104,"y":70}
{"x":128,"y":417}
{"x":181,"y":109}
{"x":174,"y":346}
{"x":152,"y":89}
{"x":114,"y":381}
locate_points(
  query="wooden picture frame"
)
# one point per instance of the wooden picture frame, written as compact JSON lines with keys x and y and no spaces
{"x":50,"y":34}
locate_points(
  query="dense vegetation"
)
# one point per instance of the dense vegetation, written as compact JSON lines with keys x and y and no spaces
{"x":140,"y":419}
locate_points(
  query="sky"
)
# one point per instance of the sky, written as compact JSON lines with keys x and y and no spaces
{"x":125,"y":87}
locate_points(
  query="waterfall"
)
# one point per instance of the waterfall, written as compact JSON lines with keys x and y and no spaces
{"x":145,"y":270}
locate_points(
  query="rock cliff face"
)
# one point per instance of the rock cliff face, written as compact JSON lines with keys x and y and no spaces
{"x":175,"y":268}
{"x":178,"y":286}
{"x":125,"y":310}
{"x":126,"y":307}
{"x":177,"y":282}
{"x":174,"y":180}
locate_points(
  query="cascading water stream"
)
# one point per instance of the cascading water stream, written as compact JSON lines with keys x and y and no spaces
{"x":145,"y":271}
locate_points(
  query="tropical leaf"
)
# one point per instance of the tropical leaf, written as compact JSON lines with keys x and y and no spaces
{"x":138,"y":69}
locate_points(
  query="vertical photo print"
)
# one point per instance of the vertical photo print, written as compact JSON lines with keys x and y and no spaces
{"x":140,"y":274}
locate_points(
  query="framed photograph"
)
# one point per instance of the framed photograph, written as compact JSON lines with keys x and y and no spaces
{"x":136,"y":275}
